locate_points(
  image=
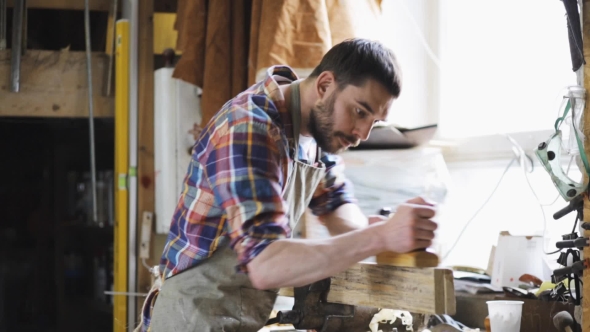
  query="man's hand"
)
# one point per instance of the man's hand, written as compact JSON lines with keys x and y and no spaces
{"x":410,"y":228}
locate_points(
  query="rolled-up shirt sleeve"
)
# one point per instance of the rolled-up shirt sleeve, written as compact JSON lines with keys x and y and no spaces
{"x":245,"y":173}
{"x":334,"y":190}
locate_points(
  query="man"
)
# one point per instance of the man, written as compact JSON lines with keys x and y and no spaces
{"x":266,"y":156}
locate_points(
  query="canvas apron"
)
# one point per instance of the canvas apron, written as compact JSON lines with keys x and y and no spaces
{"x":212,"y":296}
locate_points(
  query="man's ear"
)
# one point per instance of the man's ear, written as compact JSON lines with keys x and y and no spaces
{"x":324,"y":82}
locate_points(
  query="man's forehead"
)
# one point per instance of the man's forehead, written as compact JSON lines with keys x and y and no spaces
{"x":372,"y":96}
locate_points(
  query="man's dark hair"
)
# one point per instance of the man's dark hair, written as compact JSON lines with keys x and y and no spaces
{"x":353,"y":61}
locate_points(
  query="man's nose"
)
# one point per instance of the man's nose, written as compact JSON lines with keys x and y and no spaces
{"x":362,"y":131}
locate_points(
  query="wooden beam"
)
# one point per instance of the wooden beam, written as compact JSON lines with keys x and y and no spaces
{"x":54,"y":84}
{"x":145,"y":162}
{"x":586,"y":129}
{"x":98,"y":5}
{"x":418,"y":290}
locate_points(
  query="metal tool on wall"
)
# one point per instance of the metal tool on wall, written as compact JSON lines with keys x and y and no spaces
{"x":111,"y":54}
{"x":18,"y":23}
{"x":574,"y":30}
{"x":90,"y":108}
{"x":2,"y":25}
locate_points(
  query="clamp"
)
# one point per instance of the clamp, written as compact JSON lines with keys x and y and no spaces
{"x":312,"y":311}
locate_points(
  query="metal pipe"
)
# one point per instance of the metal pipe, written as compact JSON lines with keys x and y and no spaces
{"x":25,"y":25}
{"x":90,"y":109}
{"x":2,"y":24}
{"x":112,"y":55}
{"x":17,"y":35}
{"x":133,"y":148}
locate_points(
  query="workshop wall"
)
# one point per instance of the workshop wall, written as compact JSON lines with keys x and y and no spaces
{"x":513,"y":207}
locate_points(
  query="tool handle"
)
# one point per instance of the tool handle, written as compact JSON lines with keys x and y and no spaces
{"x":564,"y":244}
{"x":563,"y":212}
{"x":576,"y":268}
{"x":385,"y":211}
{"x":577,"y":243}
{"x":562,"y":271}
{"x":573,"y":205}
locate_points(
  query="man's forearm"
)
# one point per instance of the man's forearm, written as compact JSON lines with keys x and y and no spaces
{"x":298,"y":262}
{"x":345,"y":218}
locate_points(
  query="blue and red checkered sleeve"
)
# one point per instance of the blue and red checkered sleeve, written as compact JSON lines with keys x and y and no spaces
{"x":244,"y":170}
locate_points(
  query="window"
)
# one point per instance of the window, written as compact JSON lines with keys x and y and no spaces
{"x":480,"y":68}
{"x":503,"y":66}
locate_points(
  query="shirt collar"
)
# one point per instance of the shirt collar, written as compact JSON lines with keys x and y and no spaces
{"x":276,"y":76}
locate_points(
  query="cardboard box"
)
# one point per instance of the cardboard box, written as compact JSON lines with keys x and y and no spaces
{"x":515,"y":256}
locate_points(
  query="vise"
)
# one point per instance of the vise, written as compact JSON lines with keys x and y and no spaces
{"x":311,"y":311}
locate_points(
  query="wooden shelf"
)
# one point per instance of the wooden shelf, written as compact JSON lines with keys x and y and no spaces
{"x":98,"y":5}
{"x":54,"y":84}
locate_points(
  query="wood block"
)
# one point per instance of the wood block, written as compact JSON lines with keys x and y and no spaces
{"x":421,"y":258}
{"x":418,"y":290}
{"x":54,"y":84}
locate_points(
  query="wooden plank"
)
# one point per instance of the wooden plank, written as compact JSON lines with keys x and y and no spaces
{"x":145,"y":155}
{"x":444,"y":291}
{"x":54,"y":84}
{"x":418,"y":290}
{"x":98,"y":5}
{"x":586,"y":129}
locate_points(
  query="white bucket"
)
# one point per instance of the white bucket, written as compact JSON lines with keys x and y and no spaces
{"x":505,"y":316}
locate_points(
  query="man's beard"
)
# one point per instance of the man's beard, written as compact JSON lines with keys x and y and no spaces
{"x":321,"y":127}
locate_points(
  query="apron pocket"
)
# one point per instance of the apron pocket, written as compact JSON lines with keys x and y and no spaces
{"x":256,"y":306}
{"x":171,"y":314}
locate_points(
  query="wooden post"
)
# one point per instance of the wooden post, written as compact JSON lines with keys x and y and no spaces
{"x":145,"y":162}
{"x":586,"y":130}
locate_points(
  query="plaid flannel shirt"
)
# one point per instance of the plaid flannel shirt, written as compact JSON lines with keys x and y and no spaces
{"x":234,"y":184}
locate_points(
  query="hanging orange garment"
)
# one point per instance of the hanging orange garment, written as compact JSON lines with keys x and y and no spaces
{"x":213,"y":39}
{"x":227,"y":44}
{"x":299,"y":32}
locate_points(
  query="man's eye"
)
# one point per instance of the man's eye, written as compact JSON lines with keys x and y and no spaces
{"x":360,"y":113}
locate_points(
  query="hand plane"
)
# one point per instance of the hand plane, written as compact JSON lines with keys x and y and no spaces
{"x":416,"y":258}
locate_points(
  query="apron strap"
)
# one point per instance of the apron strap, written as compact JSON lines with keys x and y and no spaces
{"x":296,"y":115}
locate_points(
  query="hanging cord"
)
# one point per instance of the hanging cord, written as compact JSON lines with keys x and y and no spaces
{"x":480,"y":208}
